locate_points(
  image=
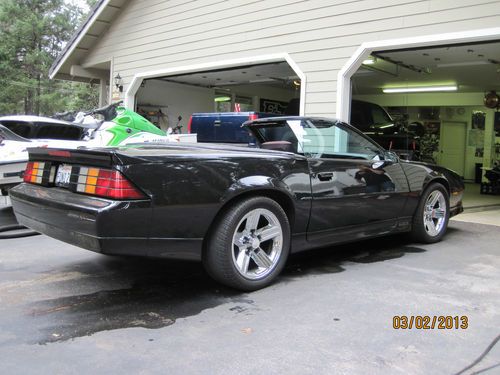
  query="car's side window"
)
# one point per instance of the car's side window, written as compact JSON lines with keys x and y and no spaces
{"x":54,"y":131}
{"x":18,"y":127}
{"x":326,"y":139}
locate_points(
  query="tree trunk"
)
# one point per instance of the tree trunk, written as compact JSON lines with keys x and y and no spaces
{"x":38,"y":94}
{"x":28,"y":102}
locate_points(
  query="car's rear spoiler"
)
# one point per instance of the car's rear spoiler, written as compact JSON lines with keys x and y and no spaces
{"x":98,"y":158}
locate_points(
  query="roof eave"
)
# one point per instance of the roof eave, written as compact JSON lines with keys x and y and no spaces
{"x":77,"y":37}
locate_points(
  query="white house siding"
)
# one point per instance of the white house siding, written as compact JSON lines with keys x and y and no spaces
{"x":319,"y":35}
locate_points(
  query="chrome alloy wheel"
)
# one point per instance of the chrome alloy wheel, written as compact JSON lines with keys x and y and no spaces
{"x":435,"y":213}
{"x":257,"y":244}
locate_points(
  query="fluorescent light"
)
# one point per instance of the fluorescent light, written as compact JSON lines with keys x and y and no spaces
{"x":222,"y":99}
{"x":369,"y":62}
{"x":396,"y":90}
{"x":459,"y":64}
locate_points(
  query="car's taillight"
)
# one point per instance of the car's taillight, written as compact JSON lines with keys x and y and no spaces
{"x":29,"y":172}
{"x":100,"y":182}
{"x":106,"y":183}
{"x":37,"y":172}
{"x":253,"y":116}
{"x":190,"y":122}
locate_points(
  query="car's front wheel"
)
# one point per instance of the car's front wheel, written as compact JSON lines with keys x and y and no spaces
{"x":432,"y":215}
{"x":249,"y":245}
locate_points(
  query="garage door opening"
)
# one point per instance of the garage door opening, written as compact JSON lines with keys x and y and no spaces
{"x":435,"y":96}
{"x":269,"y":88}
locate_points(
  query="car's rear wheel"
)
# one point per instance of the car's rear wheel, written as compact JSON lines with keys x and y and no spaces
{"x":432,"y":215}
{"x":249,"y":245}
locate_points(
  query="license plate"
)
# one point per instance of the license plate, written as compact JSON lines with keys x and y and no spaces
{"x":63,"y":175}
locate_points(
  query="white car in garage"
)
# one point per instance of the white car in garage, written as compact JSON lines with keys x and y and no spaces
{"x":14,"y":154}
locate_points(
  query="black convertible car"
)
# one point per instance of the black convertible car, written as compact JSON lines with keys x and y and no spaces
{"x":310,"y":182}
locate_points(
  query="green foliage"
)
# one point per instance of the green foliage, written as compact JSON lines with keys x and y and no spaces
{"x":91,"y":3}
{"x":33,"y":34}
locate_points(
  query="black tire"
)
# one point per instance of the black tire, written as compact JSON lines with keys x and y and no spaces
{"x":224,"y":258}
{"x":430,"y":225}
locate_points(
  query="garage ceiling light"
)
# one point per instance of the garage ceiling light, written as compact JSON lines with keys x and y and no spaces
{"x":464,"y":63}
{"x":369,"y":61}
{"x":222,"y":99}
{"x":396,"y":90}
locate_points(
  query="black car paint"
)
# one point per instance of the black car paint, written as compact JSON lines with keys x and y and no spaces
{"x":188,"y":186}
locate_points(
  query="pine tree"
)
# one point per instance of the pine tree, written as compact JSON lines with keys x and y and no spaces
{"x":33,"y":34}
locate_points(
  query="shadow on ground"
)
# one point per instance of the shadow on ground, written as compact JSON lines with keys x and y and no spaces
{"x":116,"y":293}
{"x":7,"y":216}
{"x":330,"y":260}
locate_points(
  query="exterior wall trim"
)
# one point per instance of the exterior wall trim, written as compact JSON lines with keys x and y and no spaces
{"x":135,"y":84}
{"x":352,"y":65}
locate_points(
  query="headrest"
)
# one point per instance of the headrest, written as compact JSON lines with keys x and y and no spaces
{"x":278,"y":146}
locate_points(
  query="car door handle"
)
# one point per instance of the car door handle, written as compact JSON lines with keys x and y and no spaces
{"x":325,"y":176}
{"x":217,"y":123}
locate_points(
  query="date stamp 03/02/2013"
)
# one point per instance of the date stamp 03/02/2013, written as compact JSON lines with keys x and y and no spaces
{"x":430,"y":322}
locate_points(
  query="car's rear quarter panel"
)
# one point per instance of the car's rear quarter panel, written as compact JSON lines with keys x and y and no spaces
{"x":187,"y":194}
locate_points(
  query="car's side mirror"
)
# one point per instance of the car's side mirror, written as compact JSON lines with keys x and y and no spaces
{"x":391,"y":156}
{"x":378,"y":164}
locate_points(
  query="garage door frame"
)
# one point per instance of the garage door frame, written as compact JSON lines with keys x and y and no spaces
{"x":135,"y":84}
{"x":344,"y":76}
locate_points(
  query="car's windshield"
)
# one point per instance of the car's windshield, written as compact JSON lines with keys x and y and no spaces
{"x":8,"y":135}
{"x":315,"y":138}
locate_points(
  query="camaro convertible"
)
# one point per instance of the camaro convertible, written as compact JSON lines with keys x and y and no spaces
{"x":309,"y":182}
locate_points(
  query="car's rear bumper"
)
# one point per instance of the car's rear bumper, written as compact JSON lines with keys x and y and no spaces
{"x":101,"y":225}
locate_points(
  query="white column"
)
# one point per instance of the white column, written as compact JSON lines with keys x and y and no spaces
{"x":103,"y":93}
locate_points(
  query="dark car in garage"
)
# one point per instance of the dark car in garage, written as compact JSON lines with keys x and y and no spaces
{"x":374,"y":121}
{"x":371,"y":118}
{"x":311,"y":182}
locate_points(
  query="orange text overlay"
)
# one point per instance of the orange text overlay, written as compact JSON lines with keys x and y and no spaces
{"x":430,"y":322}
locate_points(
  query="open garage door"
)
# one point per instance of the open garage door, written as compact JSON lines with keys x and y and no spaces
{"x":436,"y":96}
{"x":257,"y":89}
